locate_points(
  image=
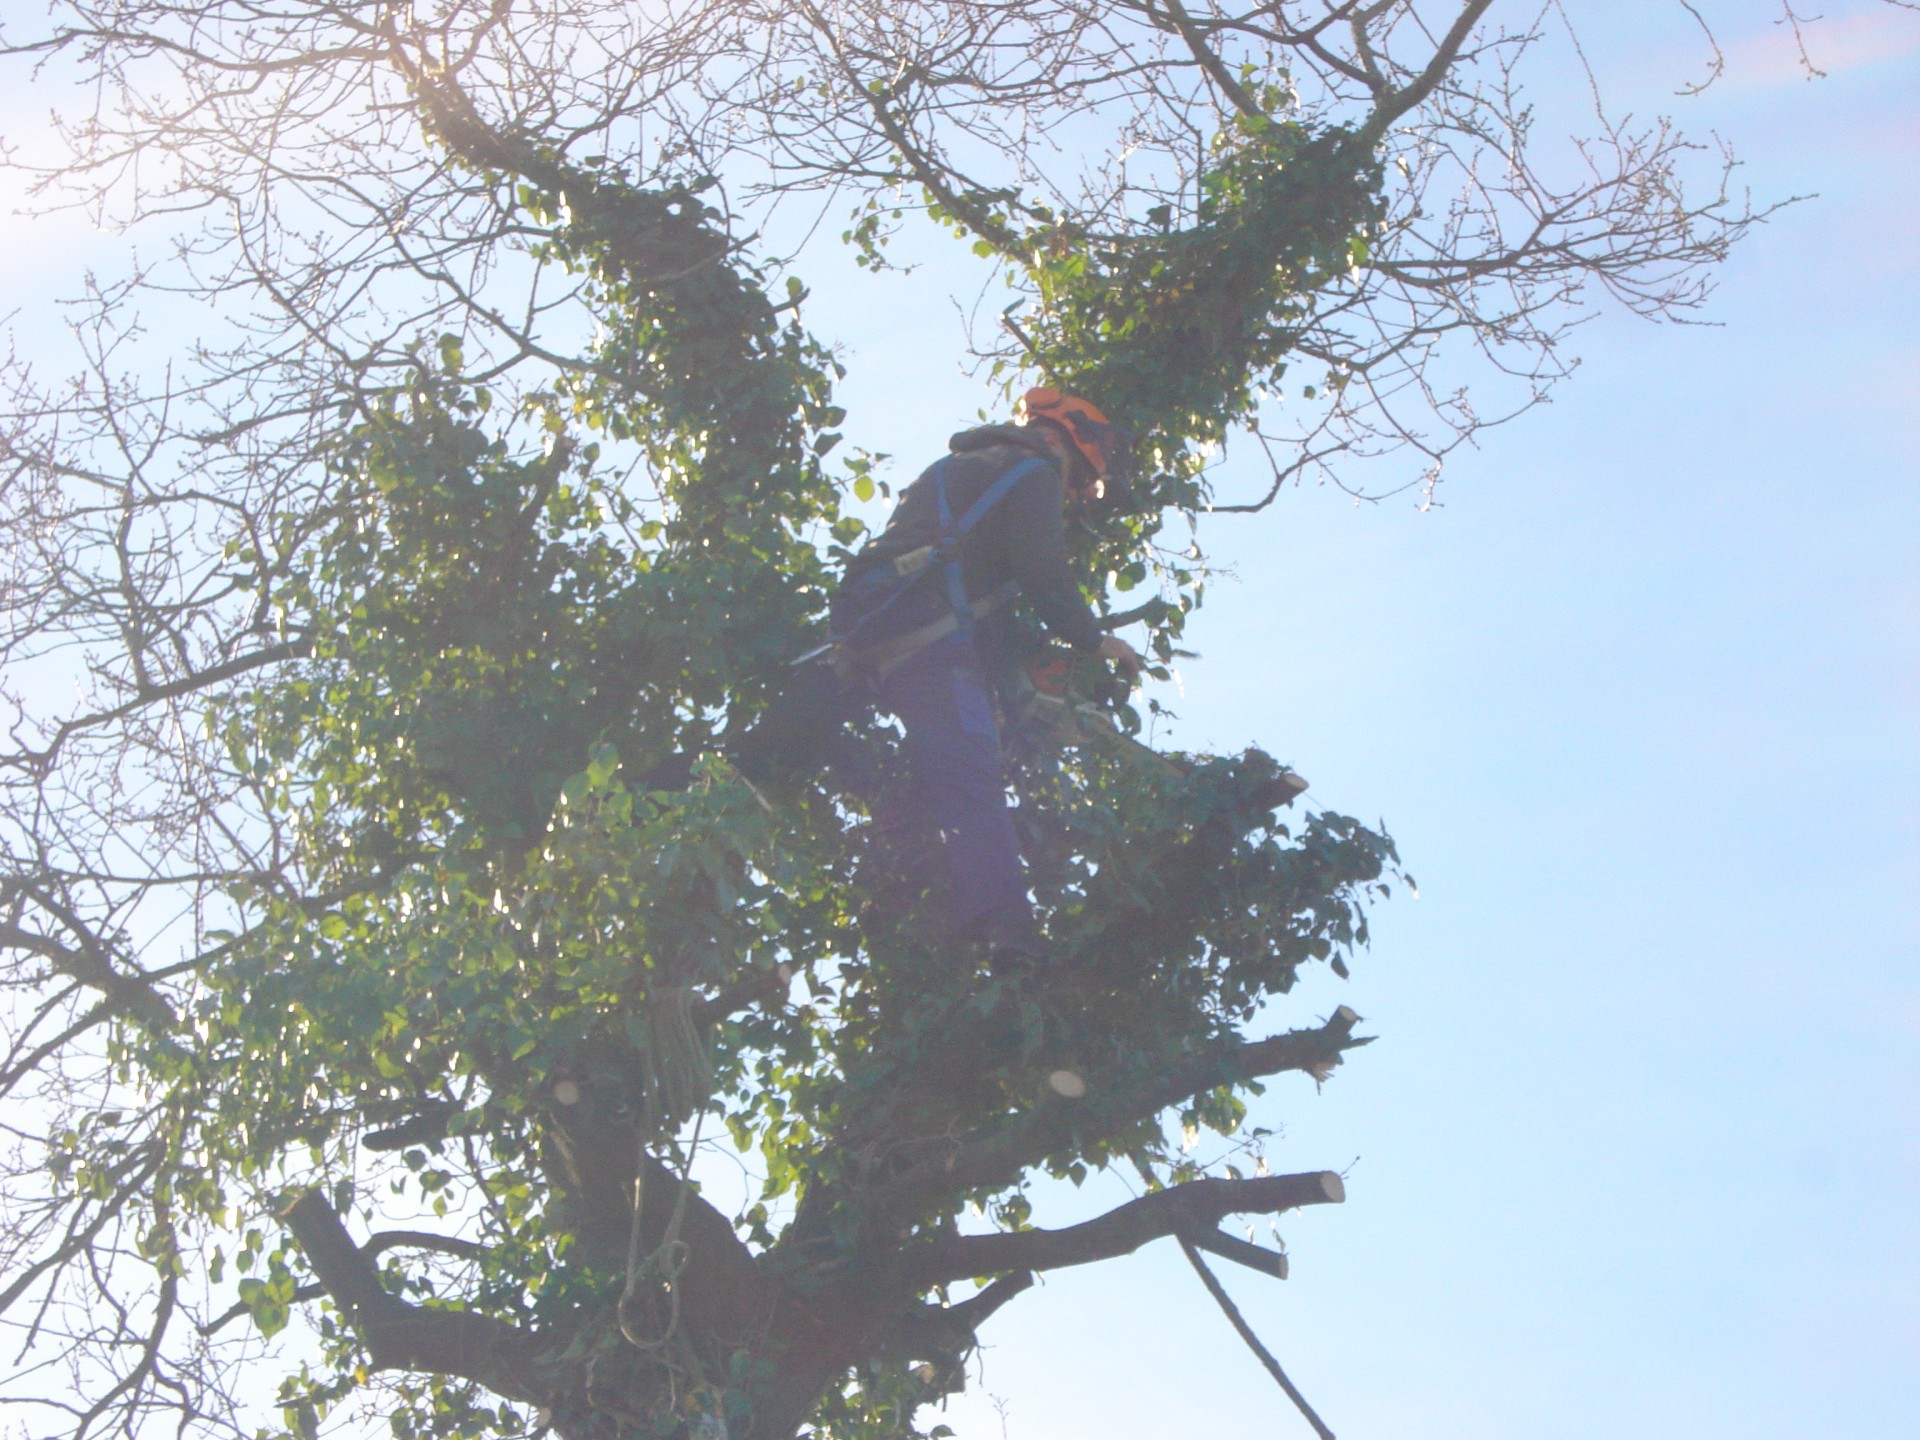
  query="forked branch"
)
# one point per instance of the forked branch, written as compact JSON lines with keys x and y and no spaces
{"x":402,"y":1336}
{"x":1184,"y":1209}
{"x":1445,"y":55}
{"x":998,"y":1156}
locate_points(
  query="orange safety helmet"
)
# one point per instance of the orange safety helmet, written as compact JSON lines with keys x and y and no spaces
{"x":1100,"y":442}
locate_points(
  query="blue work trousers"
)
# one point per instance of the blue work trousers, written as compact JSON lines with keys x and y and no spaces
{"x":941,"y":698}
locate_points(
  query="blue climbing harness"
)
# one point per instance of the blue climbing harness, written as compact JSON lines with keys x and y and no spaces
{"x":873,"y":627}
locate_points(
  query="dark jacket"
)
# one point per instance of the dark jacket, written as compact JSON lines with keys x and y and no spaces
{"x":1023,"y":538}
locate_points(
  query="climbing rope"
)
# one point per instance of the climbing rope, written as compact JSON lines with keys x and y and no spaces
{"x":679,"y":1069}
{"x":667,"y":1261}
{"x":1245,"y":1331}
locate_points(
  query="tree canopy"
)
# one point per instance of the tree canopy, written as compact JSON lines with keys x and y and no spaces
{"x":471,"y":447}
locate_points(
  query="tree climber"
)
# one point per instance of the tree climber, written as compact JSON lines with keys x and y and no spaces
{"x":924,"y":616}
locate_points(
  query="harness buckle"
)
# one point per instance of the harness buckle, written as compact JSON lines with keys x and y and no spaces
{"x":913,"y":562}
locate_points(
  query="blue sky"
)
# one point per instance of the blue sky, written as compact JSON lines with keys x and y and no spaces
{"x":1637,"y":1150}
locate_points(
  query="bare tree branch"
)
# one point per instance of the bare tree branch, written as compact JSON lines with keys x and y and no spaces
{"x":998,"y":1156}
{"x":402,"y":1336}
{"x":1177,"y":1210}
{"x":1445,"y":55}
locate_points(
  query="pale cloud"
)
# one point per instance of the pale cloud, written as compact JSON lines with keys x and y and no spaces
{"x":1771,"y":57}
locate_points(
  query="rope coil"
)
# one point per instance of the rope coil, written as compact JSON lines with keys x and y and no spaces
{"x":667,"y":1261}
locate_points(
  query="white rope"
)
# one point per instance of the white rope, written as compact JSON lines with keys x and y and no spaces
{"x":669,"y":1260}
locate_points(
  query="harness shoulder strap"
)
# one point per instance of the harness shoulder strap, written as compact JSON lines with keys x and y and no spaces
{"x":988,"y":498}
{"x":952,"y":534}
{"x":901,"y":579}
